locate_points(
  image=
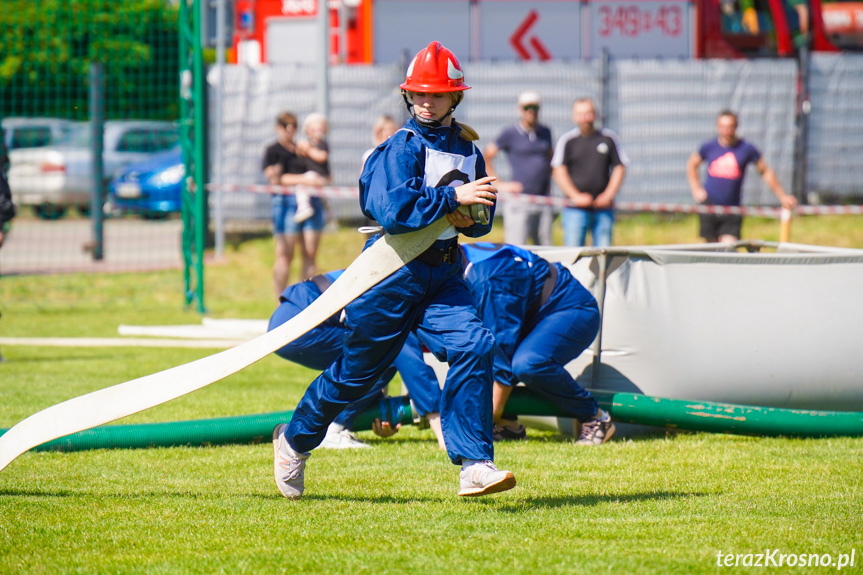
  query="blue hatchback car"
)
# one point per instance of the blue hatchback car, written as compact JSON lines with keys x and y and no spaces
{"x":152,"y":188}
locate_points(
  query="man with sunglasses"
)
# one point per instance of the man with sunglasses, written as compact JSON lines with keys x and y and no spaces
{"x":528,"y":147}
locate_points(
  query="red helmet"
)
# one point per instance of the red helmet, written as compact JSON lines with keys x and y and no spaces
{"x":435,"y":70}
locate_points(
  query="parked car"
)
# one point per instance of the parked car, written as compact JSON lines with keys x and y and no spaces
{"x":34,"y":132}
{"x":53,"y":178}
{"x":152,"y":188}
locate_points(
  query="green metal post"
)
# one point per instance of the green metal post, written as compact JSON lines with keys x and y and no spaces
{"x":193,"y":141}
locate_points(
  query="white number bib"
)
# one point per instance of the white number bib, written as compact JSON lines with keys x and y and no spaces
{"x":445,"y":169}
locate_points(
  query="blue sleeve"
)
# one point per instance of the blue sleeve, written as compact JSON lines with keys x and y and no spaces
{"x":754,"y":154}
{"x":504,"y":141}
{"x":392,"y":191}
{"x":545,"y":135}
{"x":302,"y":295}
{"x":479,"y":230}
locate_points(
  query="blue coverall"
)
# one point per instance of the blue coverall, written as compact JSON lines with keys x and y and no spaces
{"x":321,"y":346}
{"x":401,"y":188}
{"x":534,"y":339}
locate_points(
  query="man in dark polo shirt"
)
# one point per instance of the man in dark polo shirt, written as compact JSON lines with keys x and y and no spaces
{"x":588,"y":165}
{"x":527,"y":145}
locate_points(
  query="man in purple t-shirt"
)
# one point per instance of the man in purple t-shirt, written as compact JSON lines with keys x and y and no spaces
{"x":727,"y":157}
{"x":527,"y":144}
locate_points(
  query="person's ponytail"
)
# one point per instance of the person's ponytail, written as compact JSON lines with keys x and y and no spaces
{"x":467,"y":132}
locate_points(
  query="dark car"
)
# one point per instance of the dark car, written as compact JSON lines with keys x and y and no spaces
{"x":152,"y":188}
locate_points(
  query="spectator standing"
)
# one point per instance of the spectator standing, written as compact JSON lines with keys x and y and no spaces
{"x":727,"y":157}
{"x":528,"y":147}
{"x":426,"y":171}
{"x":588,"y":166}
{"x":384,"y":127}
{"x":283,"y":166}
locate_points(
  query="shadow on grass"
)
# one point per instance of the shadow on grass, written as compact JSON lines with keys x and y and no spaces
{"x":514,"y":504}
{"x":553,"y":502}
{"x":15,"y":359}
{"x":493,"y":503}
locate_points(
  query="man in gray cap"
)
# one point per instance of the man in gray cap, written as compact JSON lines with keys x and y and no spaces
{"x":528,"y":147}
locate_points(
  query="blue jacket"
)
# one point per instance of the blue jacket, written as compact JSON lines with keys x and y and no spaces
{"x":506,"y":282}
{"x":392,"y":188}
{"x":302,"y":294}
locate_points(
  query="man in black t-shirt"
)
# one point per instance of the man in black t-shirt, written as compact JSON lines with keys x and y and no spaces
{"x":588,"y":165}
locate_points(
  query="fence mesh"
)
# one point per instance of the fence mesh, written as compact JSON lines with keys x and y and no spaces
{"x":49,"y":53}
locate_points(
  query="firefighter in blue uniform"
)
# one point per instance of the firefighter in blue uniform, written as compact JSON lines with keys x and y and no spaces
{"x":321,"y":346}
{"x":427,"y":170}
{"x":542,"y":318}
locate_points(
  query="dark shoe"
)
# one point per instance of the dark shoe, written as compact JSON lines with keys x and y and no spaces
{"x":509,"y":433}
{"x":596,"y":431}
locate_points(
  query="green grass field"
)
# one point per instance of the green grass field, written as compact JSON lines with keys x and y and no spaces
{"x":645,"y":504}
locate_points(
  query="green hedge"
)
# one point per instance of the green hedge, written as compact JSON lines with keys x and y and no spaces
{"x":46,"y":48}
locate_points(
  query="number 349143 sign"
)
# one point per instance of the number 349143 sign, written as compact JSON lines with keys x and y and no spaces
{"x":658,"y":28}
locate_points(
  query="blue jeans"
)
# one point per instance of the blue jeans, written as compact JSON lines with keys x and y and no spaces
{"x":576,"y":222}
{"x":284,"y":209}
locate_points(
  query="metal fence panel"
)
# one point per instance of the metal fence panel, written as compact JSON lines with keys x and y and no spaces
{"x":661,"y":109}
{"x":836,"y":125}
{"x":664,"y":109}
{"x":48,"y":50}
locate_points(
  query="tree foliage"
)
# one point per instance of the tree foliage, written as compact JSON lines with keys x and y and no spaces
{"x":47,"y":47}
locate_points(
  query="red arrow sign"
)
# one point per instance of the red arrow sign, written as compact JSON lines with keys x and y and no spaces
{"x":517,"y":36}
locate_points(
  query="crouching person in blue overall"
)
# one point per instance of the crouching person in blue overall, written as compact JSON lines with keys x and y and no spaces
{"x":424,"y":172}
{"x":321,"y":346}
{"x":542,"y":318}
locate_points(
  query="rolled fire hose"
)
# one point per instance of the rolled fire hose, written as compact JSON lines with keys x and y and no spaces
{"x":624,"y":407}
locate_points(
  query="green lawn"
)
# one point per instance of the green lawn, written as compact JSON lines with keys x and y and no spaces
{"x":647,"y":504}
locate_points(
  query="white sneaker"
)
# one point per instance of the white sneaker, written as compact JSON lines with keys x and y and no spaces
{"x":303,"y":214}
{"x":483,"y":478}
{"x":289,"y":467}
{"x":340,"y":438}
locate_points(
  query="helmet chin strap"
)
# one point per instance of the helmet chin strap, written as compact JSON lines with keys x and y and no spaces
{"x":425,"y":121}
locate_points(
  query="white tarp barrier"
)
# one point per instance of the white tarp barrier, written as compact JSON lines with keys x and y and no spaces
{"x":772,"y":329}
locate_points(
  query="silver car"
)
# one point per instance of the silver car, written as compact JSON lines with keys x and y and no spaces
{"x":34,"y":132}
{"x":54,"y":178}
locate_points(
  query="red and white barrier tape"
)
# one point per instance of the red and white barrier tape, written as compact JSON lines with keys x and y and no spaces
{"x":762,"y":211}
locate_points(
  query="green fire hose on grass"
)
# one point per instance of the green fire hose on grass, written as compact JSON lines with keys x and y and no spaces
{"x":694,"y":415}
{"x":623,"y":407}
